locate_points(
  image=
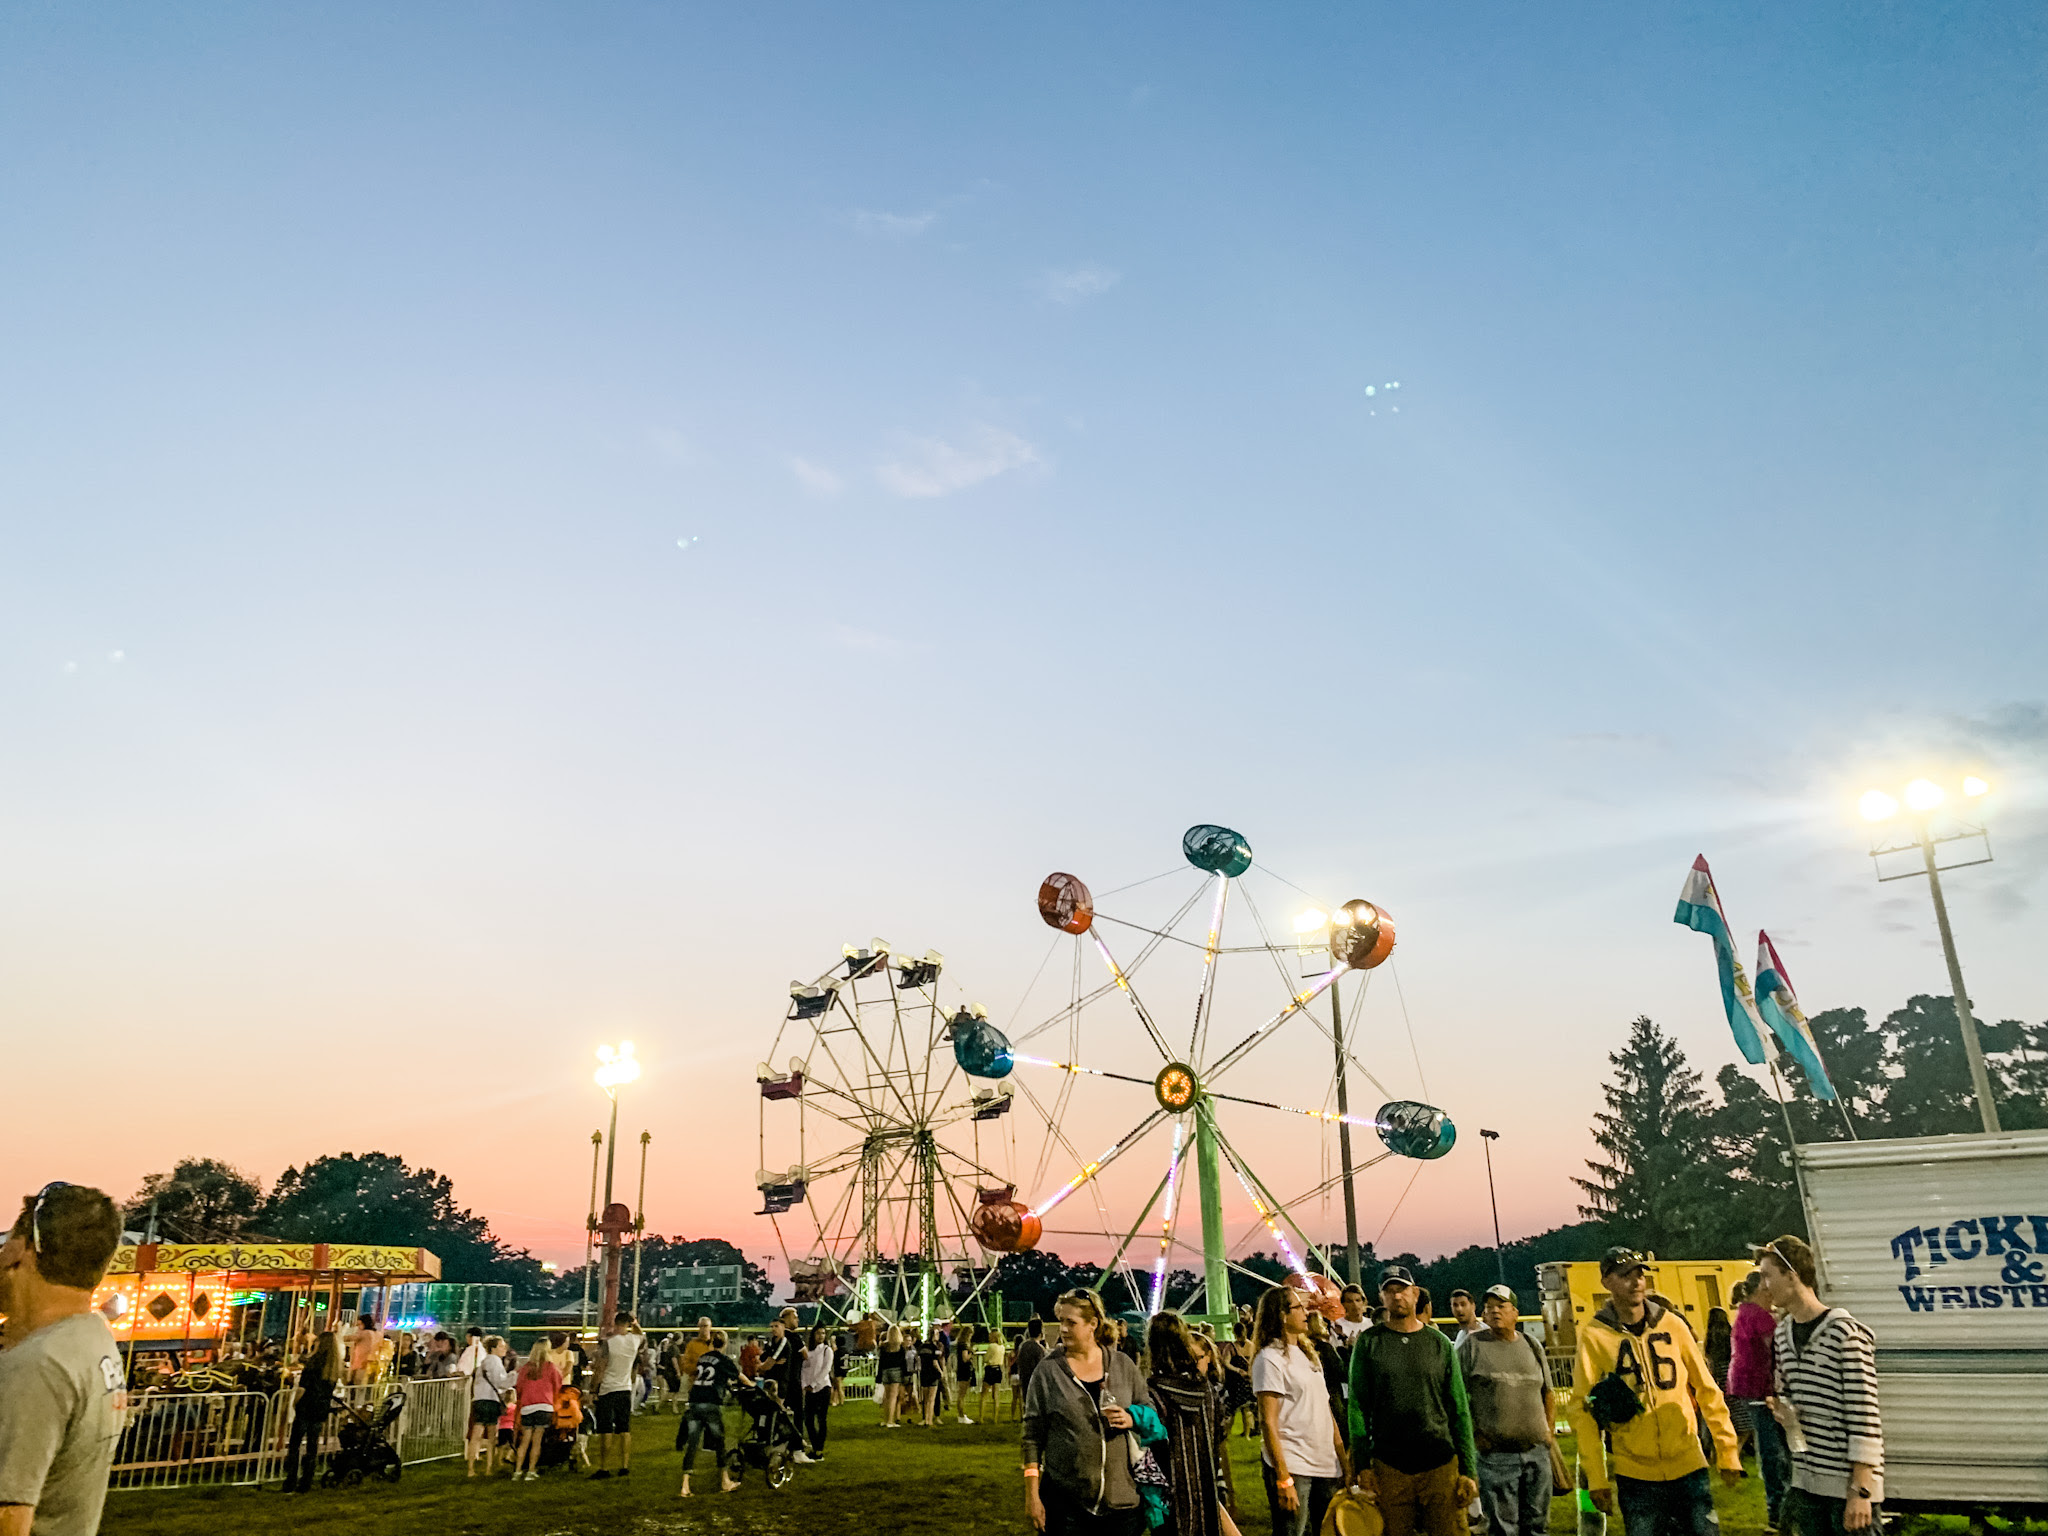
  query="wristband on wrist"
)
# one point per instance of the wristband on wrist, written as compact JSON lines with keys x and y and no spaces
{"x":1285,"y":1482}
{"x":1031,"y":1471}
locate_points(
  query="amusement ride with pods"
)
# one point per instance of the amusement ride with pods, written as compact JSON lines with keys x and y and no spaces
{"x":901,"y":1111}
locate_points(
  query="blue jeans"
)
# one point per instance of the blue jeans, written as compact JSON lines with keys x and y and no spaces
{"x":1684,"y":1506}
{"x":1773,"y":1458}
{"x":703,"y":1424}
{"x":1312,"y":1497}
{"x":1514,"y":1490}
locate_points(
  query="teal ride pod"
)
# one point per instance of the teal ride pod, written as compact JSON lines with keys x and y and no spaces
{"x":1415,"y":1130}
{"x":1217,"y":849}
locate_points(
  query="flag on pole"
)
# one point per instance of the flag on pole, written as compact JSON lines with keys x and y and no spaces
{"x":1699,"y":908}
{"x":1779,"y":1006}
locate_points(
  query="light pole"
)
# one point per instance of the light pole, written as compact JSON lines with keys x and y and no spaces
{"x":1487,"y":1139}
{"x":1313,"y":922}
{"x":1922,"y":796}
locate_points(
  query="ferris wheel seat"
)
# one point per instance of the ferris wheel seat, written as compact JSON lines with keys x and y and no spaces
{"x":990,"y":1102}
{"x":790,"y":1087}
{"x":920,"y":972}
{"x":865,"y":962}
{"x":809,"y":1002}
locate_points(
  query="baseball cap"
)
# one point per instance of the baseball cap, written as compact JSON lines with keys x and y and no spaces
{"x":1502,"y":1293}
{"x":1395,"y":1274}
{"x":1622,"y":1258}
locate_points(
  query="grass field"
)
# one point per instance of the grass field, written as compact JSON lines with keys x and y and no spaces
{"x":957,"y":1480}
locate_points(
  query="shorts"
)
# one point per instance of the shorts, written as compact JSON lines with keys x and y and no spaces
{"x":486,"y":1410}
{"x":992,"y":1376}
{"x":536,"y":1418}
{"x":615,"y":1413}
{"x":889,"y":1376}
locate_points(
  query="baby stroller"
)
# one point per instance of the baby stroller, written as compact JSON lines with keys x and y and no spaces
{"x":367,"y":1448}
{"x":769,"y":1440}
{"x":558,"y":1445}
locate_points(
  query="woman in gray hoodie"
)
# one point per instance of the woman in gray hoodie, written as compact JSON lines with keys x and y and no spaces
{"x":1077,"y":1430}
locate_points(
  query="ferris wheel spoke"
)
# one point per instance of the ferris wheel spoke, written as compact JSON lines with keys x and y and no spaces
{"x":1076,"y":1067}
{"x":1301,"y":1000}
{"x":1269,"y":1209}
{"x":1090,"y":1170}
{"x":1208,"y":991}
{"x":1172,"y":1210}
{"x":1328,"y":1115}
{"x":1081,"y":1000}
{"x":1123,"y":981}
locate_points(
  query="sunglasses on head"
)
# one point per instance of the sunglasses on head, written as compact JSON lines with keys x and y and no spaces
{"x":35,"y":1212}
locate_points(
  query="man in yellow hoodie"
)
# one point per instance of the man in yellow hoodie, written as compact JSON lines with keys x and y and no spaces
{"x":1635,"y":1352}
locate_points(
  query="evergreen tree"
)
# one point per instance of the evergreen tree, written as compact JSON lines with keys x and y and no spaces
{"x":1661,"y":1175}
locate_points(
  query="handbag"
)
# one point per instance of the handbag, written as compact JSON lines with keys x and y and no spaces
{"x":1560,"y":1476}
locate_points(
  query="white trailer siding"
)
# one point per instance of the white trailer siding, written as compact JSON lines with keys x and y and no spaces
{"x":1940,"y":1245}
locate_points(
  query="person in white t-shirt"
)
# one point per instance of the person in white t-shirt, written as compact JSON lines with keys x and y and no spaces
{"x":1345,"y":1330}
{"x":1305,"y":1460}
{"x":617,"y":1353}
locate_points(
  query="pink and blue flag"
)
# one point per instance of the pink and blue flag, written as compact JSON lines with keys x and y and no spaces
{"x":1779,"y":1006}
{"x":1699,"y":908}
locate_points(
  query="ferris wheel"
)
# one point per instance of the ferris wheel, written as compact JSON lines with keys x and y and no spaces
{"x":1187,"y":1084}
{"x":896,"y":1150}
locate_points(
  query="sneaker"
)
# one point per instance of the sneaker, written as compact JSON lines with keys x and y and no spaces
{"x":625,"y":1471}
{"x":533,"y":1477}
{"x":600,"y":1473}
{"x":803,"y":1458}
{"x":963,"y":1419}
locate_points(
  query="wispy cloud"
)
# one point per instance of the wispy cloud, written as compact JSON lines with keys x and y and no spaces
{"x":815,"y":478}
{"x":930,"y":466}
{"x":672,"y":445}
{"x":1077,"y":285}
{"x":893,"y":226}
{"x":851,"y":638}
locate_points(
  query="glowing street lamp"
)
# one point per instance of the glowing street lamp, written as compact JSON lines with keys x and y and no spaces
{"x":1922,"y":798}
{"x":615,"y":1069}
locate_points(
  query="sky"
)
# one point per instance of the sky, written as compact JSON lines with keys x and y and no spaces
{"x":527,"y":526}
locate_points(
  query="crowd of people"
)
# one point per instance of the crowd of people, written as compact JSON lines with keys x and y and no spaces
{"x":1121,"y":1434}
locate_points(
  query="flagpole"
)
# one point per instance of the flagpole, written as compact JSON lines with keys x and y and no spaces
{"x":1791,"y":1144}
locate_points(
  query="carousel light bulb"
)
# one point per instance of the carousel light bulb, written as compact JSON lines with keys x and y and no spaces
{"x":1876,"y":805}
{"x":1924,"y":794}
{"x":1310,"y":921}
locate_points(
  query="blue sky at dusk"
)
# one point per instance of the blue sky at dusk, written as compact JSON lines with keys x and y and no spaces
{"x":526,"y":525}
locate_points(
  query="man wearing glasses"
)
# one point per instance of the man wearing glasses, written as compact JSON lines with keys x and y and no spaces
{"x":60,"y":1377}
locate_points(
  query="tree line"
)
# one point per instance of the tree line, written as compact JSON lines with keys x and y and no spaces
{"x":1682,"y":1169}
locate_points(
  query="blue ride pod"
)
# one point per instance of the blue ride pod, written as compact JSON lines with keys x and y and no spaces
{"x":979,"y":1047}
{"x":1216,"y":849}
{"x":1420,"y":1131}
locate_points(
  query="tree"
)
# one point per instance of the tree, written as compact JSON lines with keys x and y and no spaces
{"x":1907,"y":1075}
{"x":376,"y":1198}
{"x":201,"y":1200}
{"x":1660,"y":1172}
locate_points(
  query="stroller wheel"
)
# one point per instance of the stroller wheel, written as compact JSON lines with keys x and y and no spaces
{"x":392,"y":1470}
{"x":780,"y":1471}
{"x":352,"y":1477}
{"x":736,"y":1462}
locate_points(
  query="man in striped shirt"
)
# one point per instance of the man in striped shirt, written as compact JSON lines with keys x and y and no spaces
{"x":1824,"y":1368}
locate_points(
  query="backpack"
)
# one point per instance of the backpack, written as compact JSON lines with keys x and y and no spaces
{"x":568,"y":1410}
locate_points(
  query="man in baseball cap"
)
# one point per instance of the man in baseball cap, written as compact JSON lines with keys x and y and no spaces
{"x":1642,"y":1458}
{"x":1508,"y":1382}
{"x":1411,"y":1431}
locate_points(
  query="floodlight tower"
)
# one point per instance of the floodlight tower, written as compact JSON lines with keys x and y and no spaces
{"x":1922,"y":797}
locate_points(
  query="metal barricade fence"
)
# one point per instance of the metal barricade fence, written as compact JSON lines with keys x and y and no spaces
{"x":226,"y":1439}
{"x":858,"y":1385}
{"x":192,"y":1439}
